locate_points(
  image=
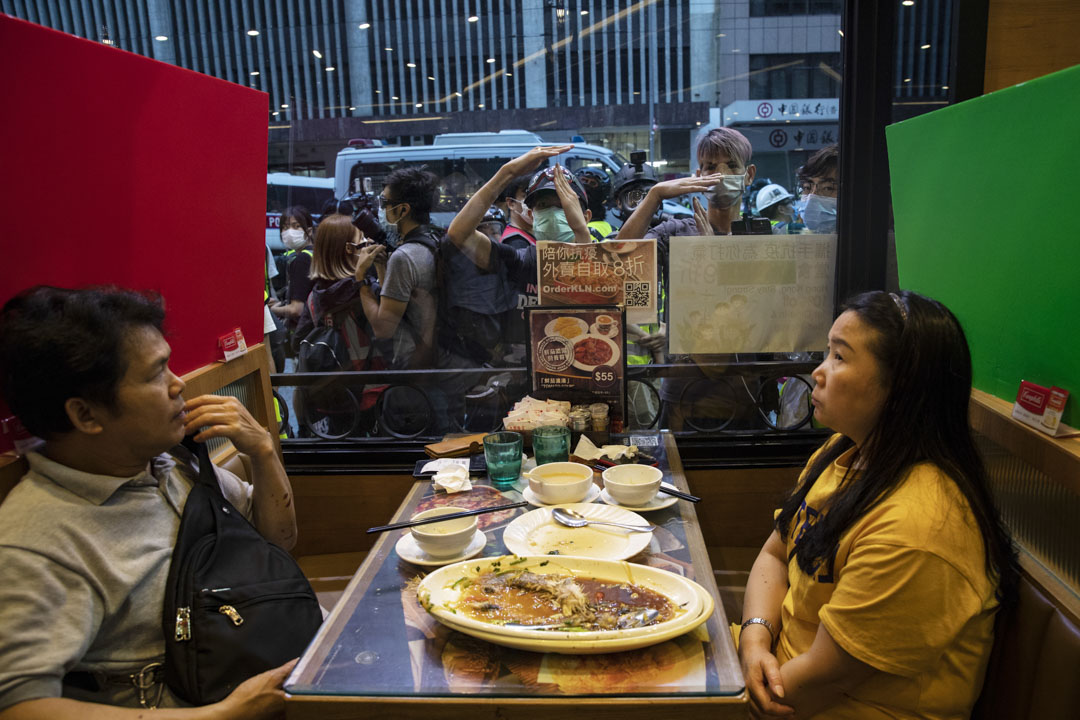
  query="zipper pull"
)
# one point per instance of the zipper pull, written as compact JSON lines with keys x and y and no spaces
{"x":230,"y":611}
{"x":183,"y":624}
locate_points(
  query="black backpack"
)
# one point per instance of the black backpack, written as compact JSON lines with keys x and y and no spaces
{"x":235,"y":604}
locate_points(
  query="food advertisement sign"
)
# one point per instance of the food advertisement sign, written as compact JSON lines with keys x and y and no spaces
{"x":578,"y":354}
{"x":768,"y":293}
{"x":607,"y":273}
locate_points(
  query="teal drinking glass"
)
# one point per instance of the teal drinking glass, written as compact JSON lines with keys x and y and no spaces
{"x":551,"y":443}
{"x":502,"y":450}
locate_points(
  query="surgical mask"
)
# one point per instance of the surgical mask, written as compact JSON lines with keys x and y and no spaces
{"x":551,"y":224}
{"x":728,"y":191}
{"x":387,"y":226}
{"x":293,"y":239}
{"x":820,"y":214}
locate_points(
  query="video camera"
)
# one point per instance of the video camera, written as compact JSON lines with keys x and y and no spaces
{"x":363,"y":205}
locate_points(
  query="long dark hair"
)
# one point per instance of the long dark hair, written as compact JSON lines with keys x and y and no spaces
{"x":926,"y":366}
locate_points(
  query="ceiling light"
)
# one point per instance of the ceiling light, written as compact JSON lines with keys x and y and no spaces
{"x":907,"y":79}
{"x":106,"y":41}
{"x":841,"y":32}
{"x":490,"y":60}
{"x":925,"y":47}
{"x":352,"y":108}
{"x":284,"y":106}
{"x":458,"y":94}
{"x":364,"y":26}
{"x":275,"y":114}
{"x":161,"y":38}
{"x":378,"y":92}
{"x":389,"y":49}
{"x":317,"y":54}
{"x":908,"y":3}
{"x":509,"y":74}
{"x":944,"y":87}
{"x":480,"y":105}
{"x":253,"y":73}
{"x":253,"y":33}
{"x":410,"y":64}
{"x":394,"y":97}
{"x":429,"y":77}
{"x":584,"y":12}
{"x":331,"y":68}
{"x":419,"y":104}
{"x":473,"y":18}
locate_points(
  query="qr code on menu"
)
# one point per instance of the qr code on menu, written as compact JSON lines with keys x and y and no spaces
{"x":637,"y":294}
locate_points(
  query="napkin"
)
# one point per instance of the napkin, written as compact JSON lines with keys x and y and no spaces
{"x":453,"y":479}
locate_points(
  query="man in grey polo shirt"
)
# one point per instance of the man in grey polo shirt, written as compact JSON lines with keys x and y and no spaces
{"x":86,"y":537}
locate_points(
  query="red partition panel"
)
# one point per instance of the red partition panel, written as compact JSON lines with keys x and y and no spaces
{"x":121,"y":169}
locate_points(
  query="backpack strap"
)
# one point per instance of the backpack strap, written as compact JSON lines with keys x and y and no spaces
{"x":201,"y":453}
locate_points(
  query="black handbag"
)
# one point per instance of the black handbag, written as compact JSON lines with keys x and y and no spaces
{"x":235,"y":604}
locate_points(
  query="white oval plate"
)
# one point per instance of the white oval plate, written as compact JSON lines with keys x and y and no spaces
{"x":549,"y":329}
{"x":438,"y":593}
{"x":408,"y":550}
{"x":530,"y":496}
{"x":537,"y":533}
{"x":613,"y":360}
{"x":659,"y":502}
{"x":539,"y":641}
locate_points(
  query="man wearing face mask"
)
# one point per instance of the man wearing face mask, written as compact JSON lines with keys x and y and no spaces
{"x":404,"y":313}
{"x":552,"y":219}
{"x":518,"y":232}
{"x":819,"y":184}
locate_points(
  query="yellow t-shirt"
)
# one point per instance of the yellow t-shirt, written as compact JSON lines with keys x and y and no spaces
{"x":906,"y":593}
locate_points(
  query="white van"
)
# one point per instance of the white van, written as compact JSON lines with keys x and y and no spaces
{"x":284,"y":190}
{"x":462,"y":161}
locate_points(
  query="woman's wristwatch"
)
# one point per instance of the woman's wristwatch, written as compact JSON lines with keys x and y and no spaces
{"x":761,"y":621}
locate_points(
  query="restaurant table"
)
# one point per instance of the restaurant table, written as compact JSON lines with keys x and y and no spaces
{"x":381,"y":655}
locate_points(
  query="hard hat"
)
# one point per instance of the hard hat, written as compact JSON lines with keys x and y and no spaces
{"x":596,"y":182}
{"x":545,"y":180}
{"x":770,"y":195}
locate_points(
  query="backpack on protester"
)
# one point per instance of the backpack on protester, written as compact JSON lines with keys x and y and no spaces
{"x":235,"y":604}
{"x":476,"y":310}
{"x":335,"y":343}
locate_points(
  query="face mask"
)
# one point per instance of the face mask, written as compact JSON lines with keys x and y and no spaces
{"x":294,"y":239}
{"x":728,"y":191}
{"x":551,"y":224}
{"x":820,"y":214}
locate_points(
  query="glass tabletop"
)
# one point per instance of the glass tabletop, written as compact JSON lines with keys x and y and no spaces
{"x":380,"y":642}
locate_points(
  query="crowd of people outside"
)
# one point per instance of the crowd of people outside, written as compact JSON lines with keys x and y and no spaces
{"x":407,"y":295}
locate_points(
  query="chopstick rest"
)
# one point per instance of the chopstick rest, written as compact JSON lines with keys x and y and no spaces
{"x":440,"y":518}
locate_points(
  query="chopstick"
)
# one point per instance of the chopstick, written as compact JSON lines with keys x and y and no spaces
{"x":440,"y":518}
{"x":679,"y":494}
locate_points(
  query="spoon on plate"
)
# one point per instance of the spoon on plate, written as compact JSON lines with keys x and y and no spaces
{"x":625,"y":622}
{"x":572,"y":518}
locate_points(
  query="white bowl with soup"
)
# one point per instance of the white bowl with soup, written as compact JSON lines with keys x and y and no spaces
{"x":560,"y":482}
{"x":447,"y":538}
{"x":632,"y":485}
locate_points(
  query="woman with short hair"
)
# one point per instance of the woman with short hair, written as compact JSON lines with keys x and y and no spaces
{"x":875,"y":595}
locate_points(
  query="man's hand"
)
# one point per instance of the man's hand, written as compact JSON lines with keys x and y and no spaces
{"x":571,"y":206}
{"x":366,"y":256}
{"x":701,"y":218}
{"x":762,"y":672}
{"x":257,"y":698}
{"x":221,"y":416}
{"x":670,"y":189}
{"x":533,"y":159}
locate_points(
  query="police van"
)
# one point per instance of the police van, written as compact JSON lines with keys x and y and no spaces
{"x":463,"y":162}
{"x":284,"y":190}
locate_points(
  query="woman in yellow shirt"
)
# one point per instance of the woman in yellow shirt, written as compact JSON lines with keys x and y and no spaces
{"x":875,"y":595}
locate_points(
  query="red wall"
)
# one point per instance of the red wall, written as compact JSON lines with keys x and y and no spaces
{"x":121,"y":169}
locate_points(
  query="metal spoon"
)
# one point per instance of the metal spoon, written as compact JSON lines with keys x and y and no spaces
{"x":572,"y":518}
{"x":625,"y":622}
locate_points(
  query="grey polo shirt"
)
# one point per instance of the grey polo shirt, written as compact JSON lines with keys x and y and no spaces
{"x":83,"y":565}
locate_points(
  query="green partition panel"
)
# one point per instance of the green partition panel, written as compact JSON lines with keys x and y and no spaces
{"x":985,"y":196}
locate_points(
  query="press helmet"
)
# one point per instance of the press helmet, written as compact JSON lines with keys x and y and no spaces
{"x":769,"y":196}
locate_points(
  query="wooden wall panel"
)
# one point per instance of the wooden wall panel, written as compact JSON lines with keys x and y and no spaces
{"x":1027,"y":39}
{"x":736,"y":507}
{"x":334,"y":511}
